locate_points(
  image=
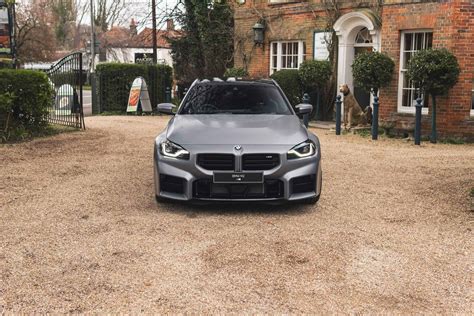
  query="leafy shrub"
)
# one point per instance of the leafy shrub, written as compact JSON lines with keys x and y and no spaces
{"x":115,"y":81}
{"x":289,"y":81}
{"x":6,"y":63}
{"x":314,"y":74}
{"x":236,"y":72}
{"x":25,"y":96}
{"x":372,"y":70}
{"x":6,"y":102}
{"x":434,"y":70}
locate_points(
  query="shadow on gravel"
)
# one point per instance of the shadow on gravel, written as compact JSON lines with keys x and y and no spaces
{"x":235,"y":208}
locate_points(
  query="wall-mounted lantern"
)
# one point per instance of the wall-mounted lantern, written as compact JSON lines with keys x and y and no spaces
{"x":258,"y":32}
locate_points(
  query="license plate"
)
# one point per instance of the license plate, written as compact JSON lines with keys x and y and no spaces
{"x":238,"y":177}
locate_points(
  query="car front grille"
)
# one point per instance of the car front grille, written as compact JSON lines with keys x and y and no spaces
{"x":206,"y":189}
{"x":216,"y":161}
{"x":260,"y":161}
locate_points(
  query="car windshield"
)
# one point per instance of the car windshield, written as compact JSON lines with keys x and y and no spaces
{"x":227,"y":98}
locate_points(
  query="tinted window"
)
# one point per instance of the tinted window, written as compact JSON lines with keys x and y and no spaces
{"x":226,"y":98}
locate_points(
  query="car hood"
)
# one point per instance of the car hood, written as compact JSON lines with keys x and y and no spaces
{"x":219,"y":129}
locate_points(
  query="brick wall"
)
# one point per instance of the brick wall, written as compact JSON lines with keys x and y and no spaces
{"x":292,"y":21}
{"x":452,"y":22}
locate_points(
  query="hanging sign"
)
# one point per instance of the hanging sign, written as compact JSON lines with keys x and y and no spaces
{"x":320,"y":42}
{"x":139,"y":96}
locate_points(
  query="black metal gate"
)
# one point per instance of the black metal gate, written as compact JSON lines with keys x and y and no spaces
{"x":67,"y":79}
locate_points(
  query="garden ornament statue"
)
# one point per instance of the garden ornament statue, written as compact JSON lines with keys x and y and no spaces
{"x":353,"y":113}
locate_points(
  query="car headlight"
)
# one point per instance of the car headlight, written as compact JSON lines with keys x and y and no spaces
{"x":305,"y":149}
{"x":172,"y":150}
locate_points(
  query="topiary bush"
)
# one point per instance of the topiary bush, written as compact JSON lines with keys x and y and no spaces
{"x":236,"y":72}
{"x":115,"y":81}
{"x":433,"y":71}
{"x":314,"y":74}
{"x":372,"y":71}
{"x":25,"y":96}
{"x":290,"y":83}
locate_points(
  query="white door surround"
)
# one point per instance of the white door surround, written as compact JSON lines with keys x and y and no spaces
{"x":347,"y":27}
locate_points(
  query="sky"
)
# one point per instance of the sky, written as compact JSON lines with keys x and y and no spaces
{"x":140,"y":10}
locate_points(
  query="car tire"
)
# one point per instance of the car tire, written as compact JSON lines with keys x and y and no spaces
{"x":160,"y":200}
{"x":312,"y":200}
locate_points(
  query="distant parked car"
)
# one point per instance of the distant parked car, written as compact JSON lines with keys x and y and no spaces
{"x":237,"y":141}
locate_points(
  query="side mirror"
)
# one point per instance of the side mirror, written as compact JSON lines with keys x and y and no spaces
{"x":303,"y":108}
{"x":166,"y":108}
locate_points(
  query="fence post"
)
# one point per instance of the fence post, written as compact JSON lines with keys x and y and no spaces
{"x":418,"y":107}
{"x":168,"y":94}
{"x":306,"y":100}
{"x":434,"y":135}
{"x":375,"y":122}
{"x":338,"y":114}
{"x":185,"y":90}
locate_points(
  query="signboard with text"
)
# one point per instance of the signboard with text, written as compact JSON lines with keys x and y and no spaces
{"x":139,"y":97}
{"x":321,"y":41}
{"x":143,"y":58}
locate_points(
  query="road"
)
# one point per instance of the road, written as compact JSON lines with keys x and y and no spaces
{"x":87,"y":102}
{"x":82,"y":233}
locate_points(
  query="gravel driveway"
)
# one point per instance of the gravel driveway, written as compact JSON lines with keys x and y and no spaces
{"x":81,"y":232}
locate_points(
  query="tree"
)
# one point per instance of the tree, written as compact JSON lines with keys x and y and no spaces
{"x":35,"y":40}
{"x":64,"y":16}
{"x":372,"y":71}
{"x":433,"y":71}
{"x":205,"y":48}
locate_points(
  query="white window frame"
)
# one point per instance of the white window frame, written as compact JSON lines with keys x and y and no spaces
{"x":301,"y":54}
{"x":401,"y":72}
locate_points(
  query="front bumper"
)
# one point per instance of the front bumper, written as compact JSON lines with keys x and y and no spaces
{"x":185,"y":180}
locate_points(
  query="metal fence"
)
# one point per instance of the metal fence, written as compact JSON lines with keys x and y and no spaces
{"x":66,"y":77}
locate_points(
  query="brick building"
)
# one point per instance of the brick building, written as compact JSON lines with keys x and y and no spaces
{"x":296,"y":30}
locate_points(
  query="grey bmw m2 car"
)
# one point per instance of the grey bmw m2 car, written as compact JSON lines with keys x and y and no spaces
{"x":237,"y":141}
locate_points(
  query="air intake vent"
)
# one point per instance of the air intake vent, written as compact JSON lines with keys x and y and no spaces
{"x":303,"y":184}
{"x":260,"y":161}
{"x":171,"y":184}
{"x":216,"y":161}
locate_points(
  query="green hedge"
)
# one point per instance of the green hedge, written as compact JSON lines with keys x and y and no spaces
{"x":115,"y":80}
{"x":25,"y":96}
{"x":290,"y":83}
{"x":236,"y":72}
